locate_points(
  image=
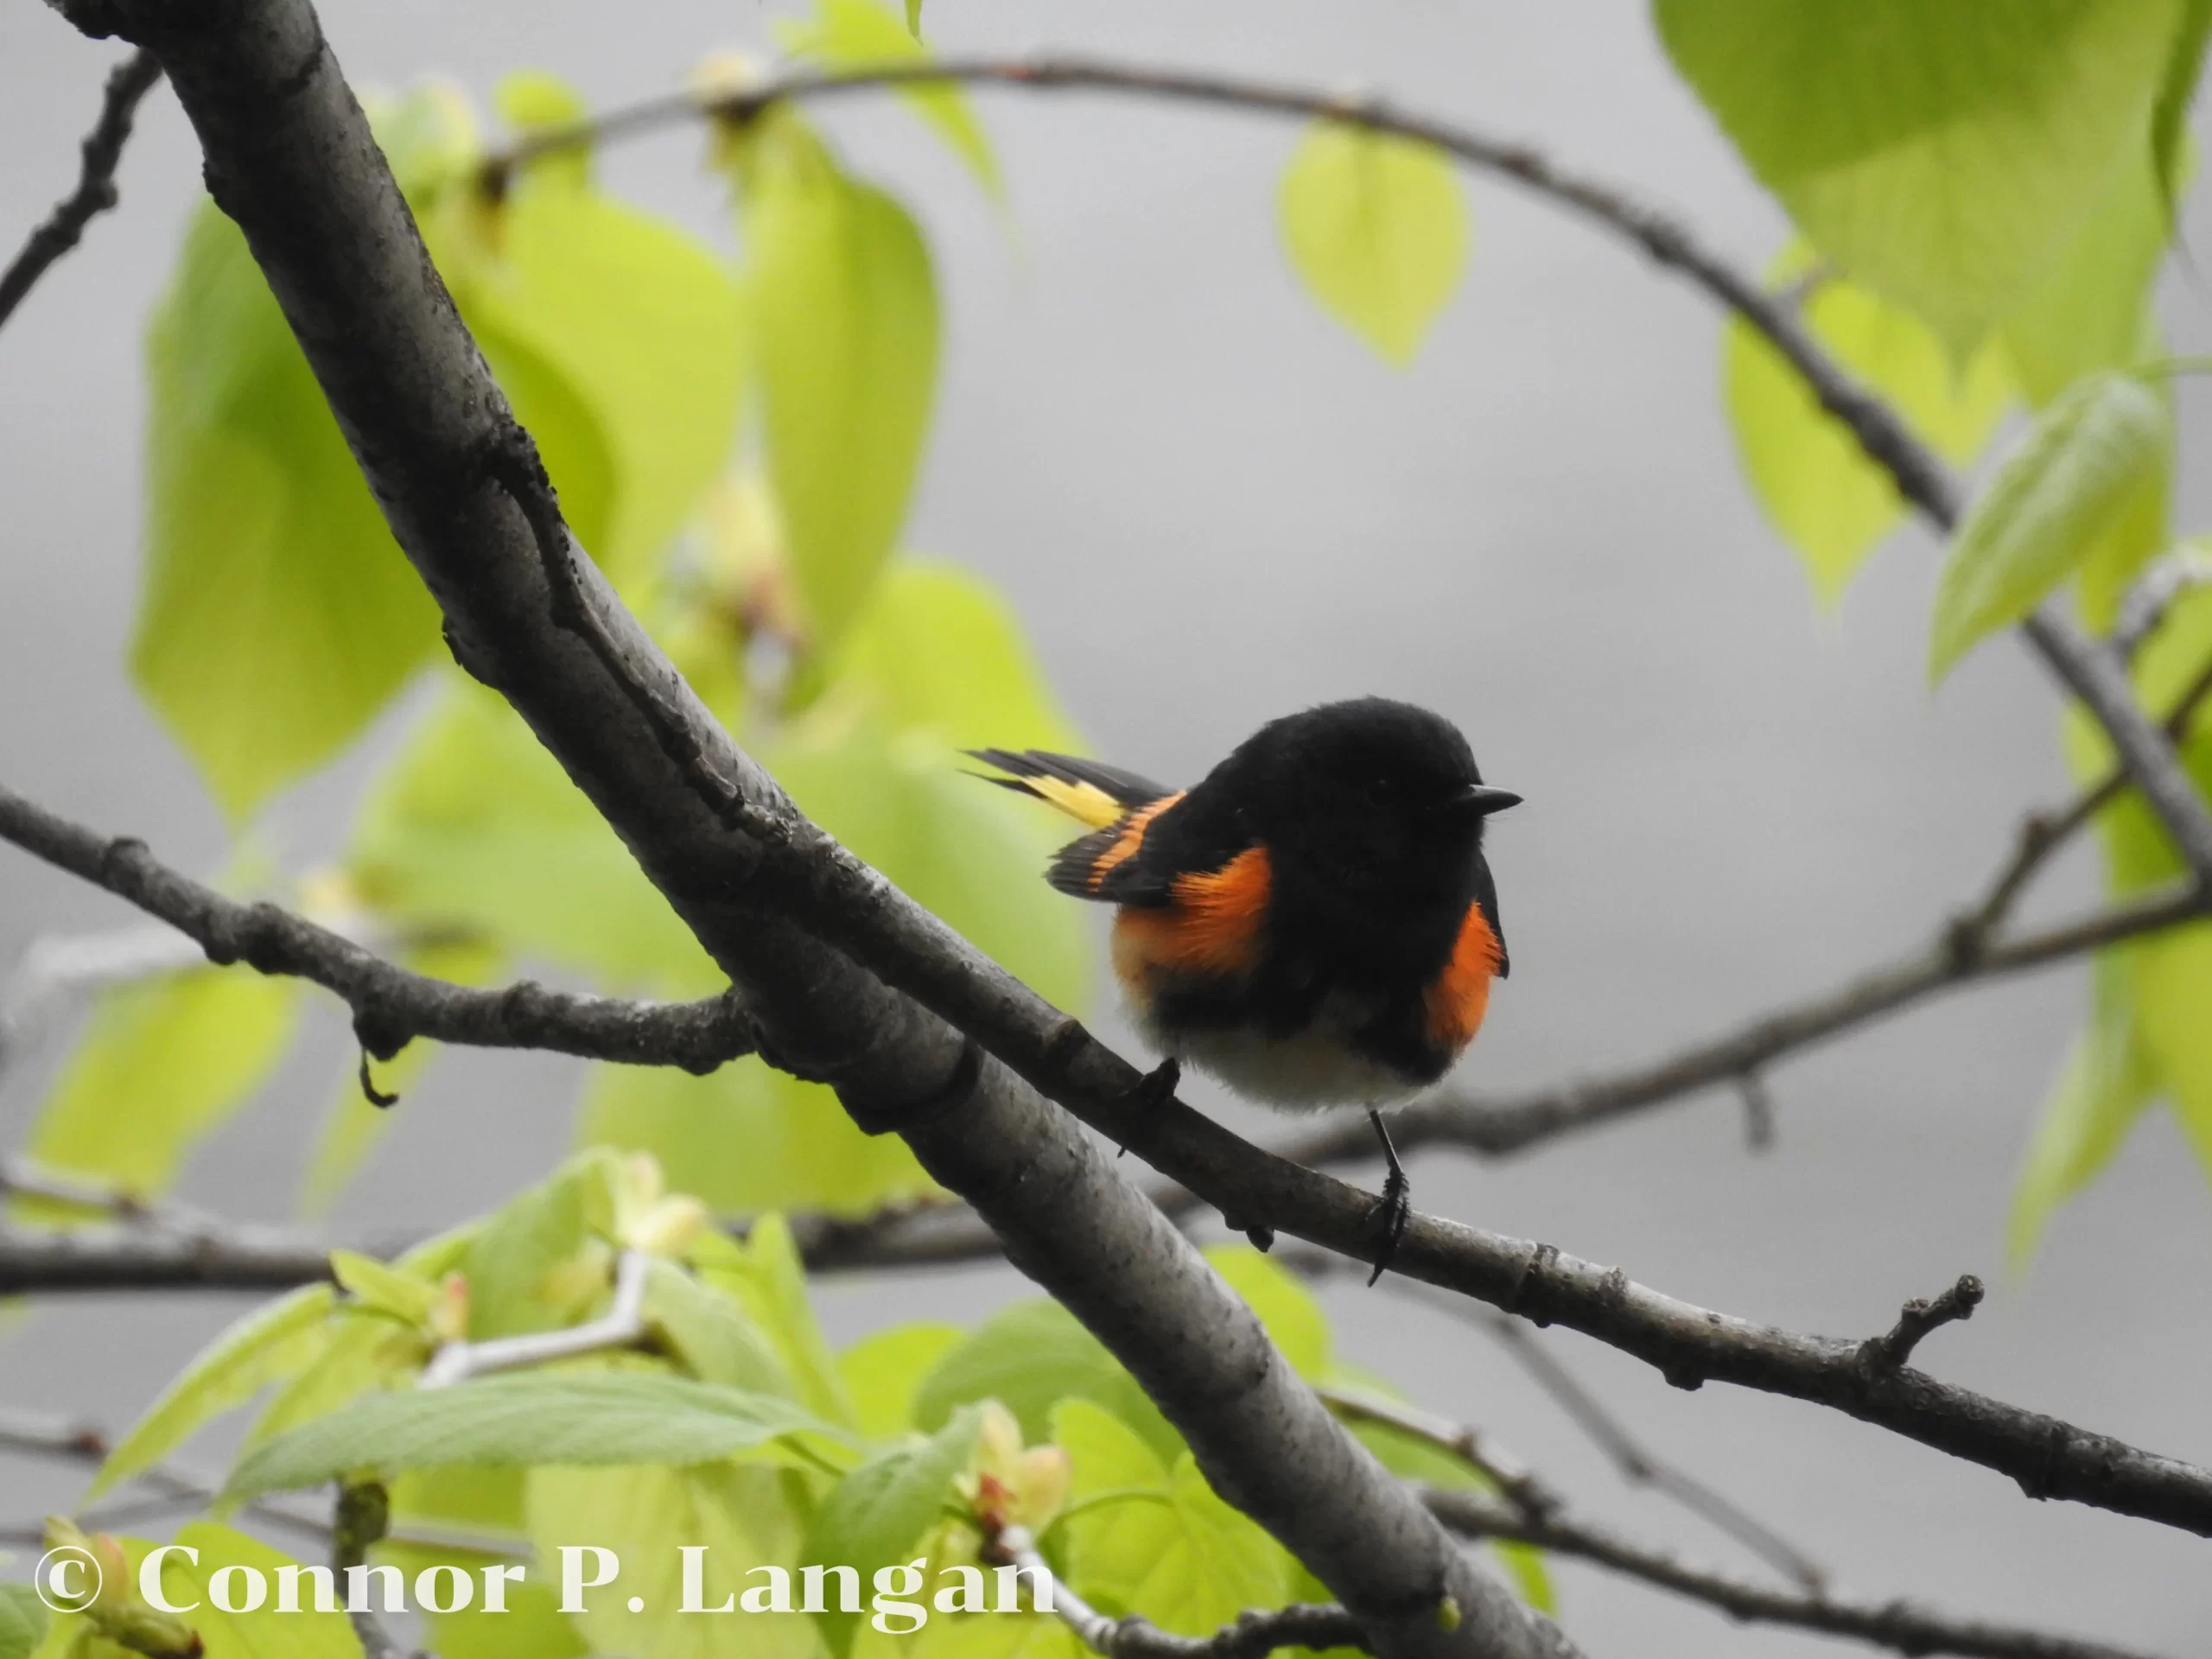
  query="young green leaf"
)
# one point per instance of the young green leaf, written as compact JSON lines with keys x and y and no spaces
{"x":1377,"y":228}
{"x":1941,"y":151}
{"x":2064,"y":488}
{"x":1029,"y":1357}
{"x":846,"y":310}
{"x":525,"y":1420}
{"x":707,"y":1333}
{"x":532,"y":1626}
{"x":2106,"y":1086}
{"x":279,"y":1339}
{"x":1830,"y":503}
{"x":277,"y":614}
{"x":2169,"y":120}
{"x":162,"y":1065}
{"x":22,"y":1621}
{"x":2090,"y":307}
{"x":743,"y":1518}
{"x":399,"y":1296}
{"x":768,"y":1280}
{"x":855,"y":34}
{"x":881,"y":1510}
{"x":306,"y":1633}
{"x":883,"y":1373}
{"x":1164,"y":1546}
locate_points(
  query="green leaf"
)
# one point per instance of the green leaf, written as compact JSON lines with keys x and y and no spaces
{"x":1167,"y":1547}
{"x":767,"y":1276}
{"x":1029,"y":1357}
{"x":2169,"y":120}
{"x":749,"y":1139}
{"x":532,"y":1627}
{"x":640,"y":323}
{"x":475,"y":830}
{"x":877,"y":1512}
{"x":883,"y":1374}
{"x":1293,"y":1318}
{"x":1942,"y":151}
{"x":277,"y":614}
{"x":162,"y":1065}
{"x":535,"y":1264}
{"x":525,"y":1420}
{"x":22,"y":1621}
{"x":2064,"y":488}
{"x":846,"y":310}
{"x":855,"y":34}
{"x":2090,"y":308}
{"x":743,"y":1518}
{"x":399,"y":1296}
{"x":708,"y":1333}
{"x":1377,"y":228}
{"x":306,"y":1633}
{"x":1828,"y":500}
{"x":2106,"y":1084}
{"x":277,"y":1340}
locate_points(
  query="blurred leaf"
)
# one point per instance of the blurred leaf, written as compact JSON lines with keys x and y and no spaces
{"x":2090,"y":308}
{"x":1029,"y":1357}
{"x":2065,"y":487}
{"x":883,"y":1374}
{"x":749,"y":1139}
{"x":456,"y":1500}
{"x":306,"y":1633}
{"x":765,"y":1275}
{"x":1293,"y":1318}
{"x":2172,"y":975}
{"x":1829,"y":501}
{"x":2106,"y":1084}
{"x":277,"y":613}
{"x":855,"y":34}
{"x":22,"y":1621}
{"x":1166,"y":1546}
{"x":532,"y":1627}
{"x":535,"y":1264}
{"x":2169,"y":120}
{"x":1377,"y":230}
{"x":278,"y":1339}
{"x":846,"y":311}
{"x":638,"y":319}
{"x":742,"y":1518}
{"x":1941,"y":151}
{"x":474,"y":829}
{"x":708,"y":1333}
{"x":162,"y":1064}
{"x":880,"y":1511}
{"x":353,"y":1126}
{"x":523,"y":1420}
{"x":398,"y":1295}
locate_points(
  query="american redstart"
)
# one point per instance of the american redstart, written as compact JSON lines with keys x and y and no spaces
{"x":1313,"y":924}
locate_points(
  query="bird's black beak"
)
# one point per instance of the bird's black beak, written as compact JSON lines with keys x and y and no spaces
{"x":1480,"y":800}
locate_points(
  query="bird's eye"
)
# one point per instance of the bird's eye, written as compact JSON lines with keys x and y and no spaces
{"x":1380,"y":791}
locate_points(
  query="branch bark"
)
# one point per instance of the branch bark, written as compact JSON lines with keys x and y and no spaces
{"x":390,"y":1005}
{"x":289,"y":158}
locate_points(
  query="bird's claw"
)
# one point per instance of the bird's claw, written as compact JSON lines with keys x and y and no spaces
{"x":1152,"y":1091}
{"x":1394,"y":1210}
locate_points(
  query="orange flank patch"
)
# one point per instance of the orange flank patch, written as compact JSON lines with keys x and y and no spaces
{"x":1460,"y":997}
{"x":1212,"y":929}
{"x":1131,"y":838}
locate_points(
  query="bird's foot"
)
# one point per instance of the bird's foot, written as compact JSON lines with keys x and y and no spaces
{"x":1392,"y":1212}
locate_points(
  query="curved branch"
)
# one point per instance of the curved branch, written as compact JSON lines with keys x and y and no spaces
{"x":127,"y":83}
{"x":390,"y":1005}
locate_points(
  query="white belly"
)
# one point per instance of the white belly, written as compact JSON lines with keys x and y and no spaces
{"x":1311,"y":1072}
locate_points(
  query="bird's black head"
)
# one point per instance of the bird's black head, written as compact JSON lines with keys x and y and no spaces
{"x":1373,"y":796}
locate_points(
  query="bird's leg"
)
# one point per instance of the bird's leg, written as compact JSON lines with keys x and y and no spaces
{"x":1394,"y":1209}
{"x":1151,"y":1090}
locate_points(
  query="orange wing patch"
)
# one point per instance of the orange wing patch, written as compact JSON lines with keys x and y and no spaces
{"x":1213,"y":928}
{"x":1460,"y":995}
{"x":1130,"y":839}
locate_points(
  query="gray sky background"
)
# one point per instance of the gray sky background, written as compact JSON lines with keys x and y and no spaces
{"x":1211,"y":505}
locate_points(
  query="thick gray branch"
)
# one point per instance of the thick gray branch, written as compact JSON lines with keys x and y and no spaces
{"x":390,"y":1005}
{"x":290,"y":158}
{"x":129,"y":82}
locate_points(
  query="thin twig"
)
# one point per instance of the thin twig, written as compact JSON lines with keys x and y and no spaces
{"x":1920,"y":1316}
{"x":620,"y":1327}
{"x":2143,"y":611}
{"x":390,"y":1005}
{"x":127,"y":83}
{"x":1896,"y":1625}
{"x":1255,"y":1635}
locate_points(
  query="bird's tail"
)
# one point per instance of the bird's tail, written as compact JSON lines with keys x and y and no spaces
{"x":1093,"y":794}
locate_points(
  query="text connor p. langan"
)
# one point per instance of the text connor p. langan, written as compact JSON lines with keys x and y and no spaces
{"x":895,"y":1607}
